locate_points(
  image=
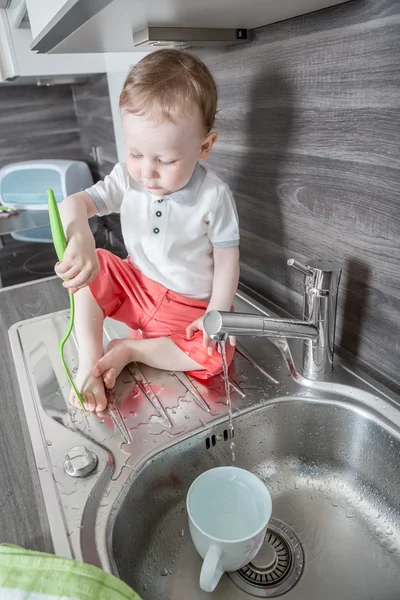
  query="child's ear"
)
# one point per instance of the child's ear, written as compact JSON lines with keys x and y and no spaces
{"x":208,"y":144}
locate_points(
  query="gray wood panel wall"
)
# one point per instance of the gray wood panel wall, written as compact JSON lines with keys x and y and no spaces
{"x":93,"y":110}
{"x":61,"y":121}
{"x":38,"y":122}
{"x":310,"y":143}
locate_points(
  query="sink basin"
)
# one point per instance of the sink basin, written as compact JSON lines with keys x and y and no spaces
{"x":328,"y":451}
{"x":334,"y":476}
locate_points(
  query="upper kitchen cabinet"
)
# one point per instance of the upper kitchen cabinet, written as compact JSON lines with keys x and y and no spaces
{"x":61,"y":26}
{"x":18,"y":60}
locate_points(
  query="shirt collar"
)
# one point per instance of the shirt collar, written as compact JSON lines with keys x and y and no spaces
{"x":188,"y":194}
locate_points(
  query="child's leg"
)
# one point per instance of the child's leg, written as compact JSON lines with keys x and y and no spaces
{"x":89,"y":319}
{"x":160,"y":353}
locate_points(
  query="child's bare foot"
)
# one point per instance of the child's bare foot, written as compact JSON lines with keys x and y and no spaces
{"x":91,"y":388}
{"x":119,"y":354}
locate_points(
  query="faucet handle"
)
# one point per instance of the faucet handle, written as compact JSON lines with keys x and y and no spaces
{"x":325,"y":273}
{"x":299,"y":267}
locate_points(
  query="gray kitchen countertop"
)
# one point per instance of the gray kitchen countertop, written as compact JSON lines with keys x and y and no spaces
{"x":22,"y":516}
{"x":26,"y":219}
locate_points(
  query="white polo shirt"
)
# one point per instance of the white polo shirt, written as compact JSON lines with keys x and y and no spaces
{"x":171,"y":239}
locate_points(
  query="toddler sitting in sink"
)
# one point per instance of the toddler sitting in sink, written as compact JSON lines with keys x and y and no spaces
{"x":180,"y":228}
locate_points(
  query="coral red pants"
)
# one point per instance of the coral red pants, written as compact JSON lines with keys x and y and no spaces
{"x":151,"y":310}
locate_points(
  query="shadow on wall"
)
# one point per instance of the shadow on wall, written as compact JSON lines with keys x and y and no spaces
{"x":258,"y":186}
{"x":263,"y":185}
{"x":354,"y":290}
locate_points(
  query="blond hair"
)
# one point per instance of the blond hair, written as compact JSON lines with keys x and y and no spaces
{"x":168,"y":83}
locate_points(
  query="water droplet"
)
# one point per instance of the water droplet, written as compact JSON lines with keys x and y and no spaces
{"x":164,"y":572}
{"x":49,"y":442}
{"x":182,"y":533}
{"x":349,"y":512}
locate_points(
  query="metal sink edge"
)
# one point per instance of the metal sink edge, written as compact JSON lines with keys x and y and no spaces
{"x":79,"y":512}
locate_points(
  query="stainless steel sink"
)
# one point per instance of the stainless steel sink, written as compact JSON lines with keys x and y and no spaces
{"x":333,"y":473}
{"x":328,"y":451}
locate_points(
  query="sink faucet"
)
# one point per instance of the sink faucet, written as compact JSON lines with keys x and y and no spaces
{"x":317,"y":329}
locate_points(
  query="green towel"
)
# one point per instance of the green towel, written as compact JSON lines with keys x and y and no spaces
{"x":30,"y":575}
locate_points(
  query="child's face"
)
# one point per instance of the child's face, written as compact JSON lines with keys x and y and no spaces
{"x":163,"y":155}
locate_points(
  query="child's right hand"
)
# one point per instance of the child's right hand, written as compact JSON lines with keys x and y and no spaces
{"x":80,"y":265}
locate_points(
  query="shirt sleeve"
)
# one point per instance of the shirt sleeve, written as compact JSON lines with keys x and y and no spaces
{"x":108,"y":194}
{"x":223,"y":228}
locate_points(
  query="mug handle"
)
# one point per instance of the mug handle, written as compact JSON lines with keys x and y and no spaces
{"x":210,"y":573}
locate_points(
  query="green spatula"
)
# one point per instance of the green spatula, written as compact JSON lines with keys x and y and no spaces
{"x":60,"y":244}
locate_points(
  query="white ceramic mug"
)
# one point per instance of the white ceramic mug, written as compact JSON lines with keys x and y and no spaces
{"x":229,"y":509}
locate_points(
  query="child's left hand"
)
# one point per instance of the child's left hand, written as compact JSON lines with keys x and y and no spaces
{"x":197,"y":325}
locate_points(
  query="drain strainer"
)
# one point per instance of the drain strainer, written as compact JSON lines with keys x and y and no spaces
{"x":276,"y":568}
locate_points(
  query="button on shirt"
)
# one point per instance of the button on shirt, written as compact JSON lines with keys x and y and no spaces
{"x":171,"y":239}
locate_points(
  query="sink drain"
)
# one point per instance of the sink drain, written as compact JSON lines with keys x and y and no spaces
{"x":276,"y":568}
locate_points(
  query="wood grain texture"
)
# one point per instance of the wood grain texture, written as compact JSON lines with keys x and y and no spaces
{"x":309,"y":142}
{"x":93,"y":110}
{"x":60,"y":121}
{"x":22,"y":516}
{"x":38,"y":122}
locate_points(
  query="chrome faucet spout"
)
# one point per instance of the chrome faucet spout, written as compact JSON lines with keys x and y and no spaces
{"x":220,"y":336}
{"x":317,"y":329}
{"x":220,"y":323}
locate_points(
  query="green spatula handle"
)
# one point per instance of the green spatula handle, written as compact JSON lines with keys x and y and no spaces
{"x":60,"y":244}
